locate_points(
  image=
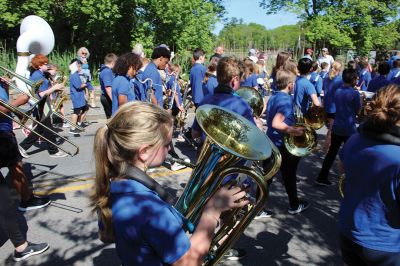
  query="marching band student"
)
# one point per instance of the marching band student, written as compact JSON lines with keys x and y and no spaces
{"x":249,"y":78}
{"x":395,"y":71}
{"x":133,"y":208}
{"x":305,"y":91}
{"x":11,"y":158}
{"x":330,"y":85}
{"x":281,"y":58}
{"x":39,"y":64}
{"x":173,"y":85}
{"x":51,"y":75}
{"x":364,"y":76}
{"x":210,"y":79}
{"x":324,"y":70}
{"x":316,"y":80}
{"x":347,"y":105}
{"x":394,"y":58}
{"x":369,"y":215}
{"x":124,"y":69}
{"x":159,"y":61}
{"x":280,"y":121}
{"x":381,"y":80}
{"x":79,"y":104}
{"x":106,"y":77}
{"x":197,"y":74}
{"x":139,"y":87}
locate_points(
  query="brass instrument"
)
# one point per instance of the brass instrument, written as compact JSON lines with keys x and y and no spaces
{"x":186,"y":103}
{"x":253,"y":98}
{"x":366,"y":97}
{"x":34,"y":86}
{"x":149,"y":90}
{"x":230,"y":139}
{"x":25,"y":115}
{"x":301,"y":145}
{"x":315,"y":117}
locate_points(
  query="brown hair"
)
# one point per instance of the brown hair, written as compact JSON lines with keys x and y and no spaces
{"x":227,"y":68}
{"x":283,"y":78}
{"x":383,"y":112}
{"x":281,"y":58}
{"x":248,"y":68}
{"x":38,"y":61}
{"x":116,"y":146}
{"x":291,"y":66}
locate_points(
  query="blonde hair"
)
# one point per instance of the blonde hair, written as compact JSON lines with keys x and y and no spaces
{"x":336,"y":68}
{"x":116,"y":146}
{"x":83,"y":49}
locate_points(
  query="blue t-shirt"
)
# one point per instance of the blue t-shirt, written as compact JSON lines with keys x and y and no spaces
{"x":106,"y":77}
{"x":316,"y":80}
{"x":5,"y":122}
{"x":170,"y":84}
{"x":370,"y":211}
{"x":323,"y":74}
{"x":139,"y":87}
{"x":330,"y":86}
{"x":121,"y":86}
{"x":377,"y":83}
{"x":250,"y":81}
{"x":392,"y":59}
{"x":151,"y":71}
{"x":224,"y":96}
{"x":77,"y":93}
{"x":347,"y":103}
{"x":302,"y":93}
{"x":364,"y":79}
{"x":282,"y":103}
{"x":37,"y":76}
{"x":210,"y":85}
{"x":197,"y":74}
{"x":393,"y":74}
{"x":273,"y":84}
{"x":148,"y":231}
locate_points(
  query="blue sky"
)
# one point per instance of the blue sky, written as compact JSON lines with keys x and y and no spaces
{"x":250,"y":11}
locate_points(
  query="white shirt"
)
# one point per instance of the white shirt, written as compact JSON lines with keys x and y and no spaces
{"x":328,"y":59}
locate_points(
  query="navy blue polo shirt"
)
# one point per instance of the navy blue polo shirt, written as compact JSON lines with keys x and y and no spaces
{"x":250,"y":81}
{"x":106,"y":77}
{"x":37,"y":76}
{"x":347,"y":103}
{"x":316,"y":80}
{"x":170,"y":84}
{"x":323,"y":74}
{"x":302,"y":93}
{"x":280,"y":102}
{"x":364,"y":79}
{"x":197,"y":74}
{"x":330,"y":86}
{"x":377,"y":83}
{"x":148,"y":231}
{"x":369,"y":213}
{"x":77,"y":93}
{"x":5,"y":122}
{"x":210,"y":85}
{"x":121,"y":86}
{"x":151,"y":71}
{"x":393,"y":74}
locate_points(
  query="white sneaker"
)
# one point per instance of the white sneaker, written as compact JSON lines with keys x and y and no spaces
{"x":177,"y":166}
{"x":23,"y":152}
{"x":59,"y":154}
{"x":66,"y":125}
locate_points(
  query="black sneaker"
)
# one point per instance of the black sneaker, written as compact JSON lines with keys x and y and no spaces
{"x":34,"y":203}
{"x":264,"y":214}
{"x":234,"y":254}
{"x":74,"y":131}
{"x":322,"y":182}
{"x":303,"y":205}
{"x":30,"y":250}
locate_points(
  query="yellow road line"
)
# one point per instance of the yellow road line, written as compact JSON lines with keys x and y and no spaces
{"x":64,"y":189}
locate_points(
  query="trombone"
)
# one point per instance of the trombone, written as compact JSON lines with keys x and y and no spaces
{"x":25,"y":115}
{"x":33,"y":92}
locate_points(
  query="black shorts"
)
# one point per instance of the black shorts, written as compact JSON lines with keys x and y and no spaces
{"x":330,"y":115}
{"x":9,"y":153}
{"x":80,"y":110}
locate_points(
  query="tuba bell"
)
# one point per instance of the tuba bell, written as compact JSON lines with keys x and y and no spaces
{"x":230,"y":138}
{"x":253,"y":98}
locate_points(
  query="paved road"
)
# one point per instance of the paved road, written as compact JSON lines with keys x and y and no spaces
{"x":67,"y":224}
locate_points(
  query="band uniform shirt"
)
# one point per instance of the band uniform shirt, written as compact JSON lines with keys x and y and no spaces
{"x":148,"y":231}
{"x":347,"y":103}
{"x":138,"y":86}
{"x":377,"y":83}
{"x":282,"y":103}
{"x":330,"y":86}
{"x":316,"y":81}
{"x":5,"y":122}
{"x":106,"y":77}
{"x":323,"y":74}
{"x":250,"y":81}
{"x":392,"y":59}
{"x":393,"y":74}
{"x":121,"y":86}
{"x":302,"y":93}
{"x":197,"y":74}
{"x":369,"y":214}
{"x":77,"y":93}
{"x":151,"y":71}
{"x":38,"y":75}
{"x":364,"y":79}
{"x":210,"y":85}
{"x":170,"y":86}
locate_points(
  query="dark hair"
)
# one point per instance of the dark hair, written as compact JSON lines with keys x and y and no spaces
{"x":363,"y":64}
{"x":160,"y":52}
{"x":396,"y":63}
{"x":383,"y":111}
{"x":349,"y":75}
{"x":304,"y":66}
{"x":75,"y":60}
{"x":352,"y":64}
{"x":281,"y":58}
{"x":383,"y":68}
{"x":125,"y":61}
{"x":315,"y":66}
{"x":324,"y":65}
{"x":227,"y":68}
{"x":197,"y":53}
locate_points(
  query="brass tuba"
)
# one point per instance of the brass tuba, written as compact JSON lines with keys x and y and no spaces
{"x":230,"y":138}
{"x":253,"y":98}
